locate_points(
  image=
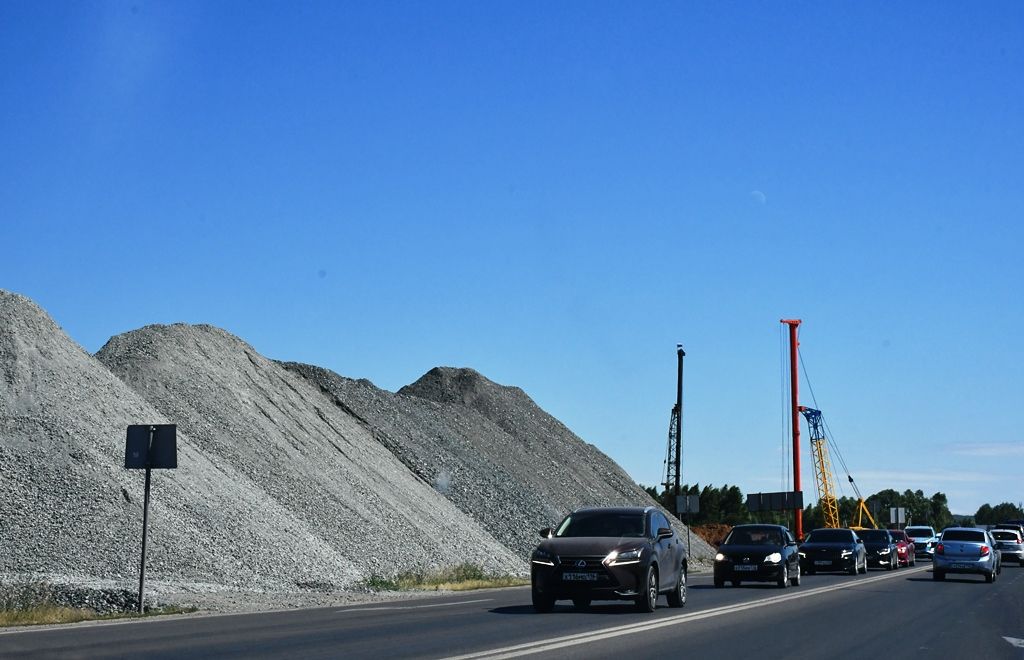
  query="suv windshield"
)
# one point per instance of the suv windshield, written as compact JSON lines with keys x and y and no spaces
{"x":830,"y":536}
{"x":874,"y":535}
{"x":919,"y":532}
{"x":1004,"y":535}
{"x":602,"y":523}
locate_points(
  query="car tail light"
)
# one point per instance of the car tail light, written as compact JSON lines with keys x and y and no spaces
{"x":984,"y":550}
{"x":939,"y":550}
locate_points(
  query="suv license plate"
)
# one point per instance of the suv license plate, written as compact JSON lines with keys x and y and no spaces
{"x":822,"y":562}
{"x":580,"y":577}
{"x":745,"y":567}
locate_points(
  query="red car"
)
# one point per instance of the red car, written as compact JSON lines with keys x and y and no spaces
{"x":904,"y":547}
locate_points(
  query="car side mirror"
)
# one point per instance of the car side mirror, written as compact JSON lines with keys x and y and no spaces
{"x":545,"y":533}
{"x":664,"y":533}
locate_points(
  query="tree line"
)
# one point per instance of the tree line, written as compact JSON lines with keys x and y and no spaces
{"x":727,"y":504}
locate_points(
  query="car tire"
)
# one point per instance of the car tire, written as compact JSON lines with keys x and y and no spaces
{"x":990,"y":577}
{"x":647,"y":600}
{"x":795,"y":581}
{"x":864,"y":567}
{"x":938,"y":575}
{"x":581,"y":603}
{"x":784,"y":580}
{"x":541,"y":602}
{"x":853,"y":570}
{"x":719,"y":583}
{"x":913,"y":561}
{"x":677,"y":597}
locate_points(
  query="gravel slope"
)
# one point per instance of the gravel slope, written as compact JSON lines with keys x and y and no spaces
{"x":291,"y":479}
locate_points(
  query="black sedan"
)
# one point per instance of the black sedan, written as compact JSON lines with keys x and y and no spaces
{"x":627,"y":553}
{"x":758,"y":553}
{"x":881,"y":548}
{"x":833,"y":550}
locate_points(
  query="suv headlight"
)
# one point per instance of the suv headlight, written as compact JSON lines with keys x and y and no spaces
{"x":617,"y":558}
{"x":543,"y":557}
{"x":773,"y":558}
{"x":720,"y":557}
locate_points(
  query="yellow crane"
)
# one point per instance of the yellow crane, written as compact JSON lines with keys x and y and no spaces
{"x":824,"y":478}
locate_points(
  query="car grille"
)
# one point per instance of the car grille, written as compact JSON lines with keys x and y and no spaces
{"x":591,"y":562}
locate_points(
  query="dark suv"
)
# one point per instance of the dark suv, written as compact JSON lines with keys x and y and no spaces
{"x":627,"y":553}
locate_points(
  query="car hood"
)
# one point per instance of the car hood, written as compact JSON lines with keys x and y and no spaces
{"x":590,"y":545}
{"x":762,"y":550}
{"x":828,"y":545}
{"x":876,"y":545}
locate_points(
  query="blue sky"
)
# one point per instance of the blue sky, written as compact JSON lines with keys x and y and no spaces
{"x":556,"y":196}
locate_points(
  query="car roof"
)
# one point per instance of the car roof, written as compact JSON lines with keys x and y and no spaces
{"x":615,"y":509}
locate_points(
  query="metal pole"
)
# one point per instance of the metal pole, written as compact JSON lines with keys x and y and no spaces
{"x":145,"y":524}
{"x":795,"y":399}
{"x":679,"y":417}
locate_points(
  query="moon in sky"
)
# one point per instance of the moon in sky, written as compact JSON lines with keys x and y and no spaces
{"x":758,"y":197}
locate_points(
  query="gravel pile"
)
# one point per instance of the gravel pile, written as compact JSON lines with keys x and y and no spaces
{"x":489,"y":449}
{"x":292,"y":480}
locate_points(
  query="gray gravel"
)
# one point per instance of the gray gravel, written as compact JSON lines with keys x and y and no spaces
{"x":294,"y":485}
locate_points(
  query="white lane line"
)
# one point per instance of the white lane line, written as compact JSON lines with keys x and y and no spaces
{"x":585,"y":638}
{"x":1019,"y":643}
{"x":411,"y":607}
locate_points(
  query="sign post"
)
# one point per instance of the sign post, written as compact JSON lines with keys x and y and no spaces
{"x":149,"y":446}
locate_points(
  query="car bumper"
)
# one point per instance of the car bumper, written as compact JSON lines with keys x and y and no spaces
{"x":727,"y":571}
{"x":880,"y":561}
{"x":607,"y":583}
{"x":973,"y":565}
{"x":826,"y":564}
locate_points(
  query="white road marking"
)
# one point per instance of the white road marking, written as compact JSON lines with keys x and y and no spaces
{"x":585,"y":638}
{"x":1019,"y":643}
{"x":410,"y":607}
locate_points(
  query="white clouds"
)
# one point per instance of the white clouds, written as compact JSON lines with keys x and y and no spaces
{"x":988,"y":449}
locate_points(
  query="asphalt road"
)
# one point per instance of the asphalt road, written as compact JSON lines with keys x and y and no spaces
{"x":882,"y":614}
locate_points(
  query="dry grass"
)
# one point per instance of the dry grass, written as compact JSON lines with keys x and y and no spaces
{"x":464,"y":577}
{"x":34,"y":603}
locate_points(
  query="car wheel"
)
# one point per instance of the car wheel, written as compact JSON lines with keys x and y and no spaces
{"x":795,"y":581}
{"x":542,"y":603}
{"x":719,"y":583}
{"x":677,"y":597}
{"x":913,"y":561}
{"x":647,"y":601}
{"x":990,"y":577}
{"x":581,"y":603}
{"x":938,"y":575}
{"x":853,"y":570}
{"x":1020,"y":562}
{"x":784,"y":580}
{"x":864,"y":567}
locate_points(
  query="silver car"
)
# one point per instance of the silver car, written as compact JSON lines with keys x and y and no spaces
{"x":966,"y":550}
{"x":924,"y":539}
{"x":1010,"y":544}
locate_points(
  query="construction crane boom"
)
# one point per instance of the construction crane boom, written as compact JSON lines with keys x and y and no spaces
{"x":823,"y":476}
